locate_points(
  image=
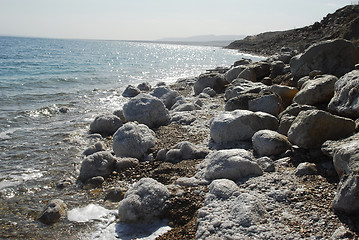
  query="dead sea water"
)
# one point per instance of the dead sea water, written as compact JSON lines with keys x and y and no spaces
{"x":50,"y":90}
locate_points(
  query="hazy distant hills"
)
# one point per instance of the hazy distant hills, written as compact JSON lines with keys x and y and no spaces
{"x":209,"y":40}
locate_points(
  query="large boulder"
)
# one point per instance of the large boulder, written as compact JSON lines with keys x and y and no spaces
{"x":241,"y":86}
{"x":240,"y":125}
{"x":53,"y":211}
{"x":240,"y":102}
{"x":233,"y":73}
{"x":345,"y":154}
{"x":268,"y":142}
{"x":133,"y":140}
{"x":97,"y":164}
{"x":313,"y":127}
{"x":231,"y":164}
{"x":285,"y":92}
{"x":105,"y":124}
{"x":335,"y":57}
{"x":144,"y":202}
{"x":267,"y":102}
{"x":347,"y":198}
{"x":146,"y":109}
{"x":346,"y":95}
{"x":167,"y":95}
{"x":212,"y":80}
{"x":318,"y":90}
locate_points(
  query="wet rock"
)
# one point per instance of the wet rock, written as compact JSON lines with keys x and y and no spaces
{"x":312,"y":128}
{"x":213,"y":80}
{"x":131,"y":91}
{"x":115,"y":195}
{"x":53,"y":211}
{"x":97,"y":147}
{"x":133,"y":140}
{"x":144,"y":202}
{"x":268,"y":142}
{"x":105,"y":124}
{"x":231,"y":164}
{"x":124,"y":163}
{"x":166,"y":95}
{"x":97,"y":164}
{"x":335,"y":57}
{"x":146,"y":109}
{"x":240,"y":125}
{"x":306,"y":168}
{"x":347,"y":198}
{"x":318,"y":90}
{"x":346,"y":96}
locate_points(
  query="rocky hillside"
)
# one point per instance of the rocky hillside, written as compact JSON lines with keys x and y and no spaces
{"x":344,"y":23}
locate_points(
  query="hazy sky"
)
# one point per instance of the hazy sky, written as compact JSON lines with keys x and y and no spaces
{"x":154,"y":19}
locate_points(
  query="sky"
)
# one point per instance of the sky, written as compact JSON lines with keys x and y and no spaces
{"x":156,"y":19}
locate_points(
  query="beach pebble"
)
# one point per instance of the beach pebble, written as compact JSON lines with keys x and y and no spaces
{"x":53,"y":211}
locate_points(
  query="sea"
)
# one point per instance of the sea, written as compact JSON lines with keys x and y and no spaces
{"x":50,"y":91}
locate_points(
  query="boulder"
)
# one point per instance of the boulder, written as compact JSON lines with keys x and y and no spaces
{"x":305,"y":169}
{"x":240,"y":102}
{"x":347,"y":198}
{"x":268,"y":142}
{"x":266,"y":163}
{"x":266,"y":102}
{"x":133,"y":140}
{"x":318,"y":90}
{"x":233,"y":73}
{"x":213,"y":80}
{"x":261,"y":69}
{"x":346,"y":96}
{"x":285,"y":122}
{"x":248,"y":74}
{"x":312,"y":128}
{"x":184,"y":118}
{"x":97,"y":147}
{"x":144,"y":202}
{"x":241,"y":86}
{"x":146,"y":109}
{"x":285,"y":92}
{"x":277,"y":68}
{"x":53,"y":211}
{"x":166,"y":95}
{"x":97,"y":164}
{"x":105,"y":124}
{"x":240,"y":125}
{"x":131,"y":91}
{"x":243,"y":61}
{"x":345,"y":154}
{"x":231,"y":164}
{"x":185,"y":150}
{"x":144,"y":87}
{"x":223,"y":188}
{"x":209,"y":91}
{"x":335,"y":57}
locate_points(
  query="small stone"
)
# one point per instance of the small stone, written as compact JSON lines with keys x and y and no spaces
{"x":53,"y":211}
{"x":306,"y":168}
{"x":115,"y":195}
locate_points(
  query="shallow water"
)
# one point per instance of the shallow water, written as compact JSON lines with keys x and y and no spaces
{"x":50,"y":90}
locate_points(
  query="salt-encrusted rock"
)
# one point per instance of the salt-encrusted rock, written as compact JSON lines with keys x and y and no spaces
{"x":241,"y":86}
{"x":285,"y":92}
{"x":240,"y":102}
{"x":167,"y":95}
{"x":185,"y":150}
{"x":124,"y":163}
{"x":346,"y":95}
{"x":133,"y":140}
{"x":345,"y":154}
{"x":53,"y":211}
{"x":227,"y":217}
{"x":105,"y":124}
{"x":342,"y":234}
{"x":97,"y":147}
{"x":144,"y":202}
{"x":233,"y":73}
{"x":209,"y":91}
{"x":213,"y":80}
{"x":184,"y":118}
{"x":231,"y":164}
{"x":268,"y":142}
{"x":131,"y":91}
{"x":240,"y":125}
{"x":335,"y":57}
{"x":347,"y":198}
{"x":313,"y":127}
{"x":223,"y":188}
{"x":119,"y":113}
{"x":306,"y":168}
{"x":266,"y":102}
{"x":97,"y":164}
{"x":266,"y":164}
{"x":318,"y":90}
{"x":144,"y":87}
{"x":146,"y":109}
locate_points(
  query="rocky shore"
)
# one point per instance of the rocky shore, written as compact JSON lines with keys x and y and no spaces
{"x":258,"y":150}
